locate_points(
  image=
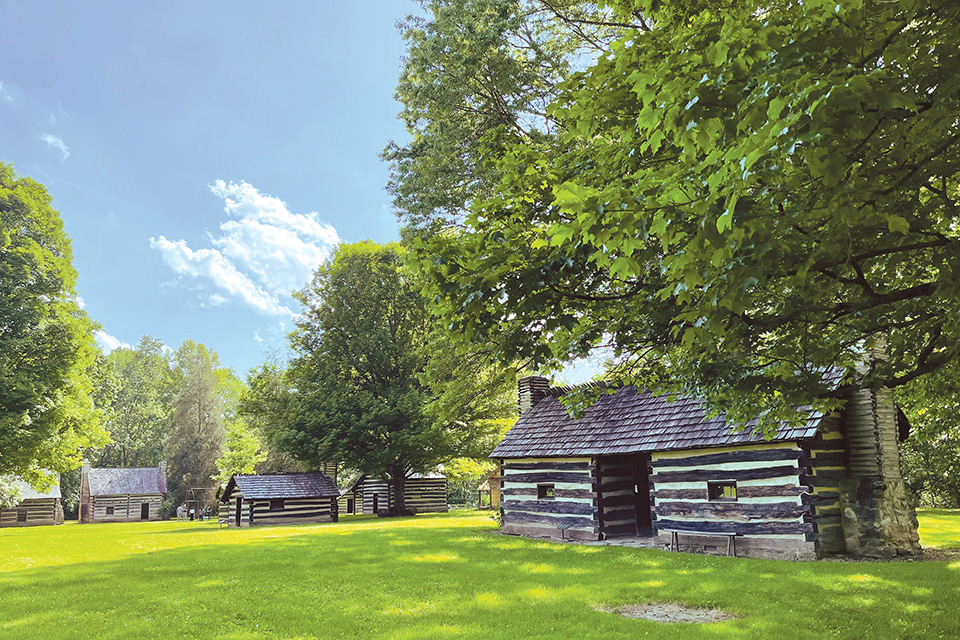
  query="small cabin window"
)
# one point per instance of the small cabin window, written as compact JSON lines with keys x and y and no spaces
{"x":545,"y":492}
{"x":22,"y":515}
{"x":722,"y":491}
{"x":276,"y":504}
{"x":109,"y":511}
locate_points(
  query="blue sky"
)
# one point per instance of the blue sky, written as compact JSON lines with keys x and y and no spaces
{"x":204,"y":156}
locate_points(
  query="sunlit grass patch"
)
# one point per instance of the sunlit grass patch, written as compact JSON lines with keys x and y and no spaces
{"x":940,"y":528}
{"x":438,"y":576}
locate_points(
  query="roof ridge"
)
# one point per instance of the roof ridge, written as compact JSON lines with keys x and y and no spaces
{"x":563,"y":390}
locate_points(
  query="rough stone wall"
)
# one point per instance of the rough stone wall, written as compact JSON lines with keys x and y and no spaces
{"x":877,"y":509}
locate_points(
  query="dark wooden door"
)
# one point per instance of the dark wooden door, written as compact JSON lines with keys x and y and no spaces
{"x":145,"y":511}
{"x":239,"y":507}
{"x":641,"y":480}
{"x":376,"y":503}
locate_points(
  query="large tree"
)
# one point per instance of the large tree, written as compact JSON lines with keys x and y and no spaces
{"x":204,"y":398}
{"x":361,"y":381}
{"x":740,"y":195}
{"x":138,"y":416}
{"x":47,"y":353}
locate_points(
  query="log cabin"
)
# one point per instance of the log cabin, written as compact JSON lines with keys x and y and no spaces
{"x":36,"y":508}
{"x":423,"y":493}
{"x":121,"y":495}
{"x":286,"y":498}
{"x":636,"y":464}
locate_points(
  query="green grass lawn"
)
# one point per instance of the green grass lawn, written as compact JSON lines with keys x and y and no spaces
{"x":442,"y":576}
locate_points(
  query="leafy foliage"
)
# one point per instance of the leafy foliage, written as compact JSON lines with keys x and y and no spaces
{"x":738,"y":196}
{"x":47,"y":413}
{"x":362,"y":394}
{"x":139,"y":414}
{"x":930,"y":458}
{"x":202,"y":402}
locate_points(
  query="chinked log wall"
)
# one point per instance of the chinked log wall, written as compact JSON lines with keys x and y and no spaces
{"x":343,"y":503}
{"x":571,"y":513}
{"x":126,"y":508}
{"x":295,"y":511}
{"x":770,"y":515}
{"x":377,"y":488}
{"x":825,"y":461}
{"x":426,"y":495}
{"x":39,"y":511}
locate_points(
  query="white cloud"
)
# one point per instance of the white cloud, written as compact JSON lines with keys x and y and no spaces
{"x":212,"y":265}
{"x":81,"y":302}
{"x":56,"y":143}
{"x":108,"y":343}
{"x":262,"y":253}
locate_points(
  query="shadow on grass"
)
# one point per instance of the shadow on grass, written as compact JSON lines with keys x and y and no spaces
{"x":437,"y":578}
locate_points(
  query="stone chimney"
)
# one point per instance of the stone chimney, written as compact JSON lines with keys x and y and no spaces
{"x":163,"y":468}
{"x":877,"y":509}
{"x":530,"y":391}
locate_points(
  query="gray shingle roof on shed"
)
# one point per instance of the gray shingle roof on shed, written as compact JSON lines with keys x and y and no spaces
{"x":627,"y":421}
{"x":29,"y":493}
{"x":112,"y":482}
{"x":287,"y":485}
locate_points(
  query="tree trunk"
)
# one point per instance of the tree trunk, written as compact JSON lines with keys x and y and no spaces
{"x":397,"y":481}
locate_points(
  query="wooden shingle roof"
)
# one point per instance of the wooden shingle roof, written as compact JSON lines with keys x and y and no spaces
{"x":112,"y":482}
{"x":29,"y":493}
{"x":286,"y":485}
{"x":628,"y":421}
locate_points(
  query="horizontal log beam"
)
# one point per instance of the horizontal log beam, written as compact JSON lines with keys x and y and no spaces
{"x":762,"y":455}
{"x":767,"y":510}
{"x":727,"y":474}
{"x":765,"y":491}
{"x":559,"y":493}
{"x":547,"y":466}
{"x":550,"y":506}
{"x":740,"y":528}
{"x":547,"y":477}
{"x":523,"y":517}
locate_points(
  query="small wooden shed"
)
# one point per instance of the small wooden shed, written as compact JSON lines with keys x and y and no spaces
{"x":35,"y":508}
{"x":122,"y":495}
{"x":288,"y":498}
{"x":423,"y":493}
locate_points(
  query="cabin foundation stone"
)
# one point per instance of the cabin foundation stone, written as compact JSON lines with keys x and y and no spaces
{"x":879,"y":517}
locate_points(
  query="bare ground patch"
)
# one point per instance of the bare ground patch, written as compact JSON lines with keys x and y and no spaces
{"x":670,"y":612}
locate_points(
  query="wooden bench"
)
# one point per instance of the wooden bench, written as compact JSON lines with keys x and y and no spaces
{"x":730,"y":535}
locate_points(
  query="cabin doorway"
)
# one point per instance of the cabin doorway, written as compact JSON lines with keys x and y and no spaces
{"x":376,"y":504}
{"x":623,"y":495}
{"x":145,"y":511}
{"x":350,"y":509}
{"x":238,"y":510}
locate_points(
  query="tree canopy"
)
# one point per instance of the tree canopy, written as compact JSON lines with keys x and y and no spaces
{"x":360,"y":385}
{"x":735,"y":196}
{"x":47,"y":353}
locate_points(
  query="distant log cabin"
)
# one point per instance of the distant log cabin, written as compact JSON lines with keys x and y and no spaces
{"x":423,"y":493}
{"x":636,"y":464}
{"x":121,"y":495}
{"x":289,"y":498}
{"x":35,"y":508}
